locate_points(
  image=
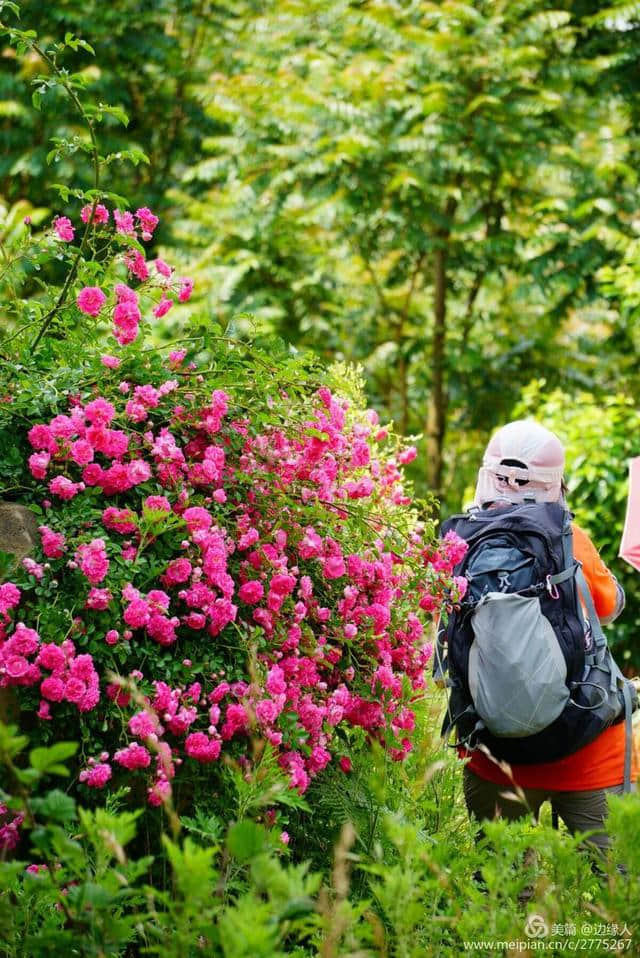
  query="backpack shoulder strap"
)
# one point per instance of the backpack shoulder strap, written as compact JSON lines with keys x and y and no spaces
{"x":628,"y":736}
{"x":583,"y":589}
{"x":587,"y":598}
{"x":567,"y":540}
{"x":440,"y":658}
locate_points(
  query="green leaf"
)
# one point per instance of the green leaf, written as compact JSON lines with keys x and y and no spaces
{"x":102,"y":109}
{"x":55,"y":806}
{"x":9,"y":5}
{"x":49,"y":759}
{"x":63,"y":191}
{"x":11,"y":744}
{"x":245,"y":840}
{"x":28,"y":776}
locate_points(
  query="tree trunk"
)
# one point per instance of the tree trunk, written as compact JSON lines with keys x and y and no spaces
{"x":437,"y":404}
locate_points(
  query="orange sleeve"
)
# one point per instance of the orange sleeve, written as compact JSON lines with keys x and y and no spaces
{"x":602,"y":584}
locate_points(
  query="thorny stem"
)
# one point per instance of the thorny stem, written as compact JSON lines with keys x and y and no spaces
{"x":95,"y":155}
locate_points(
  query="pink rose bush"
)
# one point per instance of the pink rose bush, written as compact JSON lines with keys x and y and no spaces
{"x":311,"y":565}
{"x":153,"y":278}
{"x":221,"y":561}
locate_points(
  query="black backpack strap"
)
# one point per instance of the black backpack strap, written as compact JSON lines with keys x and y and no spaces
{"x":440,"y":658}
{"x":450,"y":720}
{"x":567,"y":540}
{"x":628,"y":736}
{"x":468,"y":741}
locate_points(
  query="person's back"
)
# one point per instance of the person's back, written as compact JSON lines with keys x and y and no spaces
{"x":524,"y":463}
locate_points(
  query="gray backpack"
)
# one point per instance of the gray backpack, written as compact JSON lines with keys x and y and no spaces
{"x":529,"y":677}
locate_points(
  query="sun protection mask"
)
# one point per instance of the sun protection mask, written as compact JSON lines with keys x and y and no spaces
{"x":533,"y":469}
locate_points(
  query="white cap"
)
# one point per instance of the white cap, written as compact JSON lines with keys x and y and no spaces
{"x":538,"y":475}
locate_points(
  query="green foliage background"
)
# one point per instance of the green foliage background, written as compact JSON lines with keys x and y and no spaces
{"x":446,"y":194}
{"x":600,"y":436}
{"x":443,"y":193}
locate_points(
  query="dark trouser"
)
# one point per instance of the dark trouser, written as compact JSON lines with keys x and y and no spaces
{"x":583,"y":811}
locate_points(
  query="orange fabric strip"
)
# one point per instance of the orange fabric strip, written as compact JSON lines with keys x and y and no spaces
{"x":597,"y":765}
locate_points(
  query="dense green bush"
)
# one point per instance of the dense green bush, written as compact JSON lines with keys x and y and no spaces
{"x":231,"y":889}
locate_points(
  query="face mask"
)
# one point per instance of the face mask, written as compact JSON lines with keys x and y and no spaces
{"x":499,"y":482}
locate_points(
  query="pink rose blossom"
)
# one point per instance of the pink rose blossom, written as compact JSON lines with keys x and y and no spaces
{"x":159,"y":792}
{"x":81,"y":452}
{"x":178,"y":570}
{"x":163,"y":268}
{"x":52,"y":688}
{"x":64,"y":488}
{"x":126,"y":320}
{"x":124,"y":223}
{"x":157,"y":504}
{"x":33,"y":568}
{"x":93,"y":561}
{"x":199,"y":746}
{"x":90,"y":300}
{"x":251,"y":592}
{"x":133,"y":756}
{"x":186,"y":289}
{"x":99,"y":412}
{"x":334,"y":567}
{"x":97,"y":776}
{"x":41,"y":437}
{"x":63,"y":229}
{"x":38,"y":464}
{"x":148,"y":222}
{"x":144,"y":725}
{"x":98,"y":599}
{"x":197,"y":518}
{"x":44,"y":711}
{"x":111,"y":362}
{"x":9,"y":597}
{"x":407,"y":455}
{"x":136,"y":264}
{"x":123,"y":521}
{"x":52,"y":657}
{"x":163,"y":307}
{"x":100,"y":214}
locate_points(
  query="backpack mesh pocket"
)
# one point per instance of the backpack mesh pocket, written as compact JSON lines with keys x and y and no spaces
{"x":517,"y":672}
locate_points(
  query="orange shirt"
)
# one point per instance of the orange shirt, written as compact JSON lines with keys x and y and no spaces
{"x":599,"y":764}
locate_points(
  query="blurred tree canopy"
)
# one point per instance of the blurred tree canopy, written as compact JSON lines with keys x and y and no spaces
{"x":443,"y":192}
{"x":146,"y":62}
{"x":430,"y":188}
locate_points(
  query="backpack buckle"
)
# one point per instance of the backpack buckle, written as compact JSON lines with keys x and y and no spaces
{"x":552,"y":588}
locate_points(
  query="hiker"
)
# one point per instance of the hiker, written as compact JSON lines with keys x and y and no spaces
{"x":523,"y":468}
